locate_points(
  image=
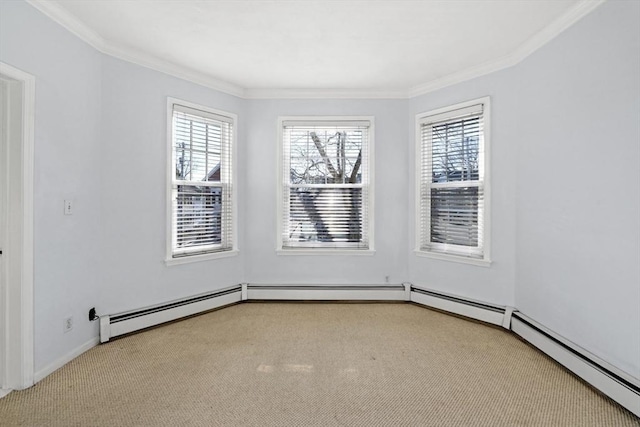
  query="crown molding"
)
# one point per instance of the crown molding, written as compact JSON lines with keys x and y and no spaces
{"x":555,"y":28}
{"x":81,"y":30}
{"x":540,"y":39}
{"x":70,"y":22}
{"x":149,"y":61}
{"x":78,"y":28}
{"x":324,"y":94}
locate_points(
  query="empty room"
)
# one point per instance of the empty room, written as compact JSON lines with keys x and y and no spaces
{"x":329,"y":213}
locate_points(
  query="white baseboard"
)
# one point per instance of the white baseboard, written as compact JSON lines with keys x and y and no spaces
{"x":618,"y":385}
{"x":59,"y":363}
{"x":124,"y":323}
{"x":326,"y":292}
{"x":4,"y":392}
{"x":477,"y":310}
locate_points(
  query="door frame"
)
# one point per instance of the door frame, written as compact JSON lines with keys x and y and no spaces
{"x":17,"y":299}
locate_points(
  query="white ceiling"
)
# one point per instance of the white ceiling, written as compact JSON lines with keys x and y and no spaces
{"x":389,"y":48}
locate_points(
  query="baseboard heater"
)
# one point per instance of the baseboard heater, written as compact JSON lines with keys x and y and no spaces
{"x":474,"y":309}
{"x":618,"y":385}
{"x":124,"y":323}
{"x":328,"y":292}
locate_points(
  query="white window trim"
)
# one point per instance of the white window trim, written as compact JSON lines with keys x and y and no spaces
{"x":485,"y":261}
{"x":16,"y":302}
{"x":325,"y":251}
{"x":169,"y":259}
{"x":201,"y":257}
{"x":279,"y":205}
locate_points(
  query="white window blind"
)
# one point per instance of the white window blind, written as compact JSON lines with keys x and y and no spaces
{"x":201,"y":192}
{"x":325,"y":178}
{"x":452,"y":182}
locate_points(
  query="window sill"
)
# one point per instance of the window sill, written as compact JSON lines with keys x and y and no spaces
{"x":197,"y":258}
{"x":321,"y":252}
{"x":454,"y":258}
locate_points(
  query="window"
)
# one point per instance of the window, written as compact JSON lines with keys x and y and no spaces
{"x":201,"y":191}
{"x":325,"y":183}
{"x":453,"y":202}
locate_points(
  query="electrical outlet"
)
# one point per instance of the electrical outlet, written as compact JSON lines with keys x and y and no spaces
{"x":67,"y":324}
{"x":386,"y":279}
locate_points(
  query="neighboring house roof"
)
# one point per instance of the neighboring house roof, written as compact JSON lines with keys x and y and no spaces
{"x":214,"y":174}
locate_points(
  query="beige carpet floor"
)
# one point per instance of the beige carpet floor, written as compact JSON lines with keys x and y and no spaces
{"x":297,"y":364}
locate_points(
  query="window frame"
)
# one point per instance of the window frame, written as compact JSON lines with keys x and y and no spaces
{"x":333,"y":120}
{"x":170,"y":166}
{"x":451,"y":254}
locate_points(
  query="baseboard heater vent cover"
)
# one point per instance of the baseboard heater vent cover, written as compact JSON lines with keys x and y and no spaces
{"x":618,"y":385}
{"x":474,"y":309}
{"x":124,"y":323}
{"x":328,"y":292}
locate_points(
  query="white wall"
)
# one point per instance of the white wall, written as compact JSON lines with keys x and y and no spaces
{"x":391,"y":175}
{"x":565,"y":186}
{"x":133,"y":193}
{"x":494,"y":283}
{"x":68,"y":75}
{"x":578,"y":198}
{"x":100,"y":141}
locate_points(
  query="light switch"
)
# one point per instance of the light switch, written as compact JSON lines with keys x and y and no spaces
{"x":68,"y":207}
